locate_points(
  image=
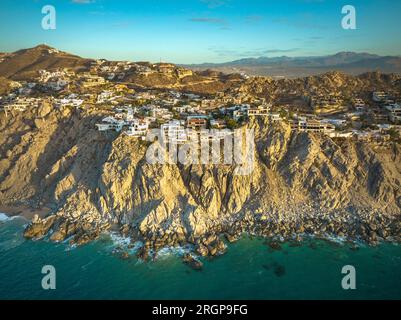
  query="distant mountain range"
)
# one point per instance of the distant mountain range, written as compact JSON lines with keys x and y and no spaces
{"x":349,"y":62}
{"x":22,"y":64}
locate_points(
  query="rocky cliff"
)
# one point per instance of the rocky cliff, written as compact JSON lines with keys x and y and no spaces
{"x":94,"y":181}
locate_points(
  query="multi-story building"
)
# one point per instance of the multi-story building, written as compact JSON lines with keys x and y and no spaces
{"x":110,"y":123}
{"x":174,"y":132}
{"x":262,"y":110}
{"x":394,"y":112}
{"x":380,"y":96}
{"x":197,"y":122}
{"x":137,"y":128}
{"x":312,"y":126}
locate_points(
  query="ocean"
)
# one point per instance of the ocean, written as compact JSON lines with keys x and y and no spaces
{"x":249,"y":270}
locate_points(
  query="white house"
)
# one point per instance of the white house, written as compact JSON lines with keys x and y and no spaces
{"x":174,"y":131}
{"x":380,"y":96}
{"x":137,"y":128}
{"x":338,"y":123}
{"x":110,"y":123}
{"x":395,"y":112}
{"x":262,"y":110}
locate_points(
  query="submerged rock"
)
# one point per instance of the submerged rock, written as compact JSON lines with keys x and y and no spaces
{"x":279,"y":270}
{"x":124,"y":255}
{"x":192,"y":262}
{"x":274,"y":245}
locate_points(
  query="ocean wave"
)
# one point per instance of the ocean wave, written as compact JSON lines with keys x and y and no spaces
{"x":126,"y":243}
{"x":4,"y":217}
{"x":173,"y":251}
{"x":119,"y":240}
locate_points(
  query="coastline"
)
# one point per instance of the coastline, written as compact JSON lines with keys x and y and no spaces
{"x":25,"y":212}
{"x":371,"y":228}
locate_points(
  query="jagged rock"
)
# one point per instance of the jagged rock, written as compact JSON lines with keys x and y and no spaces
{"x":274,"y":245}
{"x":192,"y":262}
{"x":231,"y":238}
{"x":93,"y":179}
{"x":124,"y":230}
{"x":58,"y":236}
{"x":39,"y":228}
{"x":202,"y":250}
{"x":143,"y":253}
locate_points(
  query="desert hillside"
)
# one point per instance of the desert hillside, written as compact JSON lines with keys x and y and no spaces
{"x":94,"y":181}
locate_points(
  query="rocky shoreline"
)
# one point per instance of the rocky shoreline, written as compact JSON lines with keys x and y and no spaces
{"x":302,"y":184}
{"x":364,"y":227}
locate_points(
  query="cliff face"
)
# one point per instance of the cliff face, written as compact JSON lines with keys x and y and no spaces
{"x":94,"y":181}
{"x":328,"y":83}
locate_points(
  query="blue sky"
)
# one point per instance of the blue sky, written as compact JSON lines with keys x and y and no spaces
{"x":195,"y":31}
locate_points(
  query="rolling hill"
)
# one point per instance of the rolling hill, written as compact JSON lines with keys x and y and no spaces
{"x":294,"y":67}
{"x":23,"y":63}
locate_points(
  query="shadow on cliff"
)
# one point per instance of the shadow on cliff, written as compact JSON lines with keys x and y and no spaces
{"x":76,"y":169}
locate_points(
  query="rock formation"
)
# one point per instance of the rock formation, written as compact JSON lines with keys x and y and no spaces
{"x":301,"y":183}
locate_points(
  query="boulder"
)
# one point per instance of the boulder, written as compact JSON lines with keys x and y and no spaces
{"x":38,"y":228}
{"x":192,"y":262}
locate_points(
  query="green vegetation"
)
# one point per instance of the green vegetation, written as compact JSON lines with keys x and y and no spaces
{"x":231,"y":123}
{"x":394,"y":135}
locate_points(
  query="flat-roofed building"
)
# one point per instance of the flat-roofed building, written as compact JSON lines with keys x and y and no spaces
{"x":394,"y":112}
{"x":218,"y":124}
{"x":197,"y":122}
{"x":312,"y":126}
{"x":137,"y":128}
{"x":262,"y":110}
{"x":174,"y":132}
{"x":379,"y":96}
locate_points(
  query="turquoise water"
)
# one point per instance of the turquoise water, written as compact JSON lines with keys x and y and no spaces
{"x":249,"y":270}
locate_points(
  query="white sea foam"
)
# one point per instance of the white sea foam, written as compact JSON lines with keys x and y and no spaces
{"x":120,"y":240}
{"x":126,"y":243}
{"x":175,"y":251}
{"x":4,"y":217}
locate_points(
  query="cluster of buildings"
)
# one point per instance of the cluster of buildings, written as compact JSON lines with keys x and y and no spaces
{"x":327,"y":104}
{"x":387,"y":108}
{"x":138,"y":120}
{"x":20,"y":104}
{"x":366,"y":121}
{"x":55,"y":80}
{"x":119,"y":70}
{"x":176,"y":113}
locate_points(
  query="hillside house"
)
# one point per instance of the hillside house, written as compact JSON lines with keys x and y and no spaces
{"x":111,"y":123}
{"x":197,"y":122}
{"x":380,"y":96}
{"x":312,"y":126}
{"x":394,"y":112}
{"x":218,"y":124}
{"x":174,"y":132}
{"x":137,"y":128}
{"x":262,"y":110}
